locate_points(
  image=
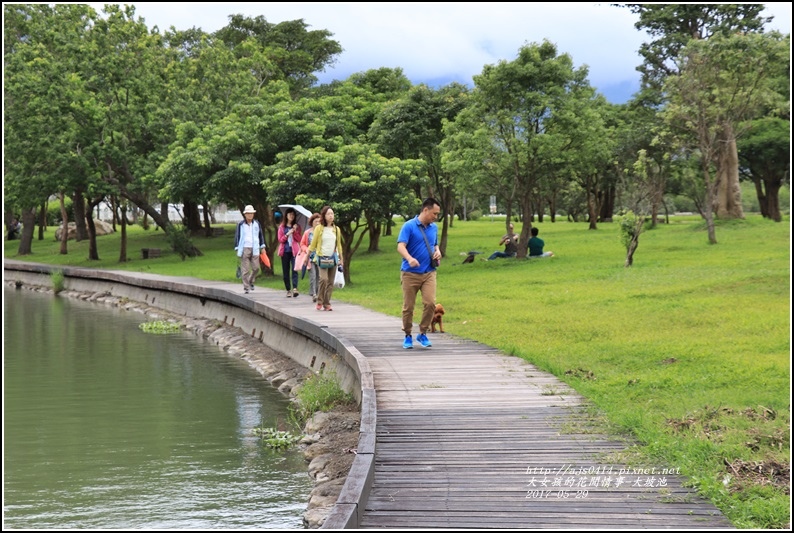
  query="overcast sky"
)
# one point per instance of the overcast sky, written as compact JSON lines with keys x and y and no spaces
{"x":437,"y":43}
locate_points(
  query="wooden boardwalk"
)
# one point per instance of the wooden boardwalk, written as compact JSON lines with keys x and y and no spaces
{"x":469,"y":437}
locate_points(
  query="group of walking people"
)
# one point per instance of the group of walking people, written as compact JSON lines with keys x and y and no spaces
{"x":320,"y":245}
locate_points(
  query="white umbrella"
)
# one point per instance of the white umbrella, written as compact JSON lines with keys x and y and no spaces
{"x":301,"y":214}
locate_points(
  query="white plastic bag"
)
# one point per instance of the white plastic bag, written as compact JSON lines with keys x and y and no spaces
{"x":339,"y":279}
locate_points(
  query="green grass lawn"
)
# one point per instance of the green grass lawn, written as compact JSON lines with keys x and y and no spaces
{"x":687,"y":352}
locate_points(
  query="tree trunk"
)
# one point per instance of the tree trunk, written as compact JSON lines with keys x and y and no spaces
{"x":93,"y":251}
{"x":42,"y":220}
{"x":26,"y":239}
{"x":773,"y":200}
{"x":123,"y":224}
{"x":523,"y":237}
{"x":607,"y":207}
{"x":10,"y":222}
{"x":591,"y":210}
{"x":729,"y":194}
{"x":633,"y":244}
{"x":759,"y":193}
{"x":207,"y":223}
{"x":65,"y":230}
{"x":374,"y":236}
{"x":708,"y":207}
{"x":161,"y":223}
{"x":191,"y":217}
{"x":552,"y":201}
{"x":78,"y":205}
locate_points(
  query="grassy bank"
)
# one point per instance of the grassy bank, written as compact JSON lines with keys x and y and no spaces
{"x":687,"y":351}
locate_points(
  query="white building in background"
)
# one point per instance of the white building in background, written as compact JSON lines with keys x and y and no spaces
{"x":221,"y":213}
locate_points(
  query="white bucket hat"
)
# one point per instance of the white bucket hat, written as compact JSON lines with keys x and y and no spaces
{"x":249,"y":209}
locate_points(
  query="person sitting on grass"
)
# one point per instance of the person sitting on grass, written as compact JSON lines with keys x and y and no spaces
{"x":510,"y":242}
{"x":536,"y":245}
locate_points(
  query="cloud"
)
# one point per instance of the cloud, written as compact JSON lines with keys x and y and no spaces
{"x":437,"y":42}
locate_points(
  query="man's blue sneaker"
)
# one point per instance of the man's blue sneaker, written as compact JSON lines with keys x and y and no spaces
{"x":423,"y":340}
{"x":408,"y":343}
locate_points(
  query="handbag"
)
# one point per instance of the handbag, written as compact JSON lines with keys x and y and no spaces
{"x":300,"y":260}
{"x":434,"y":263}
{"x":326,"y":261}
{"x":339,"y":279}
{"x":264,"y":259}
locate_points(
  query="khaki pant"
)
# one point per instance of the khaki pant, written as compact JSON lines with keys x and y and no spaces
{"x":249,"y":266}
{"x":326,"y":289}
{"x":413,"y":283}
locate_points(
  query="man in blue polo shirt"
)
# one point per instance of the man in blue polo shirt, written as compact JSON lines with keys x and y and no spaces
{"x":418,"y":246}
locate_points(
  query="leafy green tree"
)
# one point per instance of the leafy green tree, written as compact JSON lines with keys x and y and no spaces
{"x":411,"y":128}
{"x":293,"y":53}
{"x":672,"y":27}
{"x":357,"y":182}
{"x":531,"y":109}
{"x":715,"y":94}
{"x":42,"y":142}
{"x":223,"y":162}
{"x":636,"y":134}
{"x":765,"y":157}
{"x":481,"y":168}
{"x":206,"y":82}
{"x":580,"y":143}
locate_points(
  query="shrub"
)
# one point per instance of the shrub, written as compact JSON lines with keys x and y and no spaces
{"x":54,"y":211}
{"x":320,"y":392}
{"x":58,"y":281}
{"x":179,"y":239}
{"x":684,"y":204}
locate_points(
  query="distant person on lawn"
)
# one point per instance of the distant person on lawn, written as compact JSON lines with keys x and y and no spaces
{"x":536,"y":245}
{"x":510,"y":242}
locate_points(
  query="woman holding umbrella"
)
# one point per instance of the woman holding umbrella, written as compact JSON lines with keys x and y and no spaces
{"x":289,"y":238}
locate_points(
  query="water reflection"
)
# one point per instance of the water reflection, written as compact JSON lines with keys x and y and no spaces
{"x":109,"y":427}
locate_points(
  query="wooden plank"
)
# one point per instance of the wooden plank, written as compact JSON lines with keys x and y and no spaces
{"x":460,"y":428}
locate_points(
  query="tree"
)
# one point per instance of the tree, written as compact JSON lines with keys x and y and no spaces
{"x":765,"y":158}
{"x":207,"y":81}
{"x":41,"y":136}
{"x":532,"y":109}
{"x":411,"y":128}
{"x":639,"y":125}
{"x":357,"y":182}
{"x":583,"y":148}
{"x":640,"y":193}
{"x":673,"y":26}
{"x":715,"y":94}
{"x":294,"y":54}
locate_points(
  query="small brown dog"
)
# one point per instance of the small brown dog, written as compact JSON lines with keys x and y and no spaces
{"x":437,"y":319}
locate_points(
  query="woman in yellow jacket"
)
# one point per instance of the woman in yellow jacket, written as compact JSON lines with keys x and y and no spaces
{"x":326,"y":243}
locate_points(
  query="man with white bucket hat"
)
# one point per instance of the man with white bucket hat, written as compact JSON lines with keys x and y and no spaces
{"x":249,"y":241}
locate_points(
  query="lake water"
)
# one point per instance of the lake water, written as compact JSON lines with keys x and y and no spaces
{"x":108,"y":427}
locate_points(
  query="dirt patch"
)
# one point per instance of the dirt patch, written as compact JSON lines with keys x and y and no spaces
{"x":753,"y":473}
